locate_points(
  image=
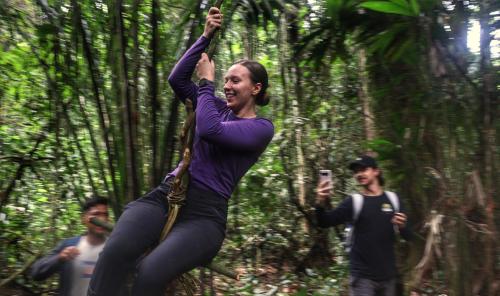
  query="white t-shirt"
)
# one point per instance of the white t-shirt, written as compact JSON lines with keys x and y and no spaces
{"x":83,"y":266}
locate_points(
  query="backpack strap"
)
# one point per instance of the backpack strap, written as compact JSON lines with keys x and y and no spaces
{"x":394,"y":199}
{"x":357,"y":205}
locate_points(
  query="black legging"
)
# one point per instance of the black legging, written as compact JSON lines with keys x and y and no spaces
{"x":193,"y":241}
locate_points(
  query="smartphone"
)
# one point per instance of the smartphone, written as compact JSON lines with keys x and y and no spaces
{"x":325,"y":175}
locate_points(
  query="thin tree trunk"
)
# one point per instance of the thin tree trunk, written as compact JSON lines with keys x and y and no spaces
{"x":459,"y":27}
{"x":103,"y":109}
{"x":24,"y":162}
{"x":300,"y":162}
{"x":155,"y":173}
{"x":365,"y":98}
{"x":211,"y":281}
{"x":76,"y":94}
{"x":136,"y":61}
{"x":22,"y":270}
{"x":86,"y":165}
{"x":173,"y":120}
{"x":247,"y":39}
{"x":123,"y":91}
{"x":236,"y":212}
{"x":283,"y":49}
{"x":297,"y":107}
{"x":488,"y":146}
{"x":293,"y":38}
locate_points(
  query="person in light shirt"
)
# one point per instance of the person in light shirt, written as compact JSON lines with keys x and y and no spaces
{"x":74,"y":258}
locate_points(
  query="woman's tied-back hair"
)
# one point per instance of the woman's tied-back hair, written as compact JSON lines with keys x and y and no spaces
{"x":258,"y":74}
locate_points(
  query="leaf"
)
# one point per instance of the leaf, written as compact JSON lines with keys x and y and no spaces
{"x":415,"y":7}
{"x":401,"y":3}
{"x":42,"y":199}
{"x":383,"y":147}
{"x":301,"y":292}
{"x":333,"y":6}
{"x":336,"y":7}
{"x":382,"y":41}
{"x":386,"y":7}
{"x":402,"y":50}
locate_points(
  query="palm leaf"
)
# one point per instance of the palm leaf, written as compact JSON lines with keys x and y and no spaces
{"x":387,"y":7}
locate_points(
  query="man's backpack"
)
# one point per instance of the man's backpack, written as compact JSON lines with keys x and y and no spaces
{"x":357,"y":206}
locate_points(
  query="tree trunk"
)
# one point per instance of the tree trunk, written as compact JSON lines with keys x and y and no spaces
{"x":283,"y":49}
{"x":365,"y":98}
{"x":123,"y":92}
{"x":24,"y":162}
{"x":459,"y":27}
{"x":293,"y":38}
{"x":73,"y":133}
{"x":102,"y":107}
{"x":488,"y":147}
{"x":137,"y":138}
{"x":155,"y":171}
{"x":169,"y":132}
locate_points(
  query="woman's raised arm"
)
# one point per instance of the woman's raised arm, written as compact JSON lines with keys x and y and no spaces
{"x":180,"y":77}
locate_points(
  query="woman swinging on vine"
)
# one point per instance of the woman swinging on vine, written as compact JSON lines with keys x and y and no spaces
{"x":229,"y":139}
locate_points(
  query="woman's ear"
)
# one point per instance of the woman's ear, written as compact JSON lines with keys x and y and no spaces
{"x":256,"y":88}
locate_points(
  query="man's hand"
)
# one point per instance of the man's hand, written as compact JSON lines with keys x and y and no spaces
{"x":399,"y":219}
{"x":68,"y":253}
{"x":323,"y":192}
{"x":205,"y":68}
{"x":213,"y":22}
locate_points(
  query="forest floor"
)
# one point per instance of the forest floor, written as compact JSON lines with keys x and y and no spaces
{"x":12,"y":291}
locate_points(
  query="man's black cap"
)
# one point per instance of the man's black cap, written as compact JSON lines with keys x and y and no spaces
{"x":363,"y":161}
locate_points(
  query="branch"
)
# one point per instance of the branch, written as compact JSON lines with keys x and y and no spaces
{"x":445,"y":53}
{"x":20,"y":271}
{"x":18,"y":236}
{"x":4,"y":195}
{"x":24,"y":160}
{"x":224,"y":271}
{"x":293,"y":199}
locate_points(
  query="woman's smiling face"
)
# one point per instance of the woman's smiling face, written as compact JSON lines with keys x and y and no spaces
{"x":239,"y":88}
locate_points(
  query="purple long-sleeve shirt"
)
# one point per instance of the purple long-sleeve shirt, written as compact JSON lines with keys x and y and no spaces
{"x":225,"y":146}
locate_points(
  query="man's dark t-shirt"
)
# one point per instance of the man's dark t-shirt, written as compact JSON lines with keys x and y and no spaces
{"x":372,"y":253}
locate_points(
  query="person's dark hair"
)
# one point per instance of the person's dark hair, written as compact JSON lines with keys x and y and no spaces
{"x":381,"y":180}
{"x":258,"y":74}
{"x":94,"y":201}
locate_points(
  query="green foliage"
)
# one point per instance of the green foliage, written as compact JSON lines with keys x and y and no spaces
{"x":384,"y":148}
{"x":401,"y":7}
{"x":60,"y":73}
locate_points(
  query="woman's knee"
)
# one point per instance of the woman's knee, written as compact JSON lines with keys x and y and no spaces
{"x":137,"y":230}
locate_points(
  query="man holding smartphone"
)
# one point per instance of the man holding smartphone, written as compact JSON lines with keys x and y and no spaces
{"x":376,"y":217}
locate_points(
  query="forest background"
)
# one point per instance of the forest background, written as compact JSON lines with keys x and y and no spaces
{"x":85,"y":109}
